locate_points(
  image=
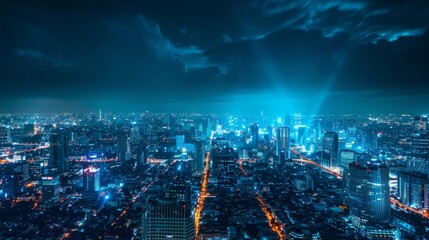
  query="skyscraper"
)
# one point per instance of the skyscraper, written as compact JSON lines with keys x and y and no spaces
{"x":420,"y":145}
{"x":226,"y":162}
{"x":254,"y":133}
{"x":369,"y":193}
{"x":369,"y":139}
{"x":50,"y":189}
{"x":413,"y":189}
{"x":58,"y":151}
{"x":283,"y":143}
{"x":330,"y":149}
{"x":172,"y":123}
{"x":122,"y":147}
{"x":4,"y":135}
{"x":169,"y":216}
{"x":200,"y":152}
{"x":91,"y":182}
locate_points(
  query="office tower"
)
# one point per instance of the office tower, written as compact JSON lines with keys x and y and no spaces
{"x":308,"y":182}
{"x":200,"y":153}
{"x":122,"y":147}
{"x":23,"y":168}
{"x":181,"y":190}
{"x":29,"y":129}
{"x":413,"y":189}
{"x":50,"y":189}
{"x":58,"y":151}
{"x":300,"y":135}
{"x":329,"y":156}
{"x":346,"y":157}
{"x":283,"y":143}
{"x":254,"y":134}
{"x":135,"y":133}
{"x":180,"y":142}
{"x":169,"y":216}
{"x":369,"y":193}
{"x":74,"y":137}
{"x":369,"y":139}
{"x":172,"y":123}
{"x":141,"y":155}
{"x":91,"y":182}
{"x":4,"y":135}
{"x":288,"y":122}
{"x":420,"y":145}
{"x":225,"y":164}
{"x":9,"y":185}
{"x":297,"y":119}
{"x":204,"y":129}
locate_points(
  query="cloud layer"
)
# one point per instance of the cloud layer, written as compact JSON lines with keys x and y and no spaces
{"x":308,"y":56}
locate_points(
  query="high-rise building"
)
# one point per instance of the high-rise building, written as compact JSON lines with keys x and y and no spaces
{"x":368,"y":190}
{"x":9,"y":185}
{"x":254,"y":134}
{"x":172,"y":123}
{"x":330,"y":149}
{"x":169,"y":216}
{"x":58,"y":151}
{"x":122,"y":147}
{"x":346,"y":157}
{"x":420,"y":145}
{"x":4,"y":135}
{"x":283,"y":143}
{"x":300,"y":135}
{"x":225,"y":163}
{"x":50,"y":189}
{"x":199,"y":158}
{"x":91,"y":179}
{"x":369,"y":139}
{"x":413,"y":189}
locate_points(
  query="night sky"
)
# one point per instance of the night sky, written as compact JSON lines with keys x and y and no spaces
{"x":280,"y":56}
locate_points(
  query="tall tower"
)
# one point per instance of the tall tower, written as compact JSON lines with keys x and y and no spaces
{"x":58,"y":151}
{"x":172,"y":123}
{"x":413,"y":189}
{"x":50,"y":189}
{"x":122,"y":147}
{"x":91,"y":182}
{"x":200,"y":152}
{"x":369,"y":139}
{"x":169,"y":216}
{"x":283,"y":143}
{"x":369,"y":193}
{"x":330,"y":148}
{"x":254,"y":133}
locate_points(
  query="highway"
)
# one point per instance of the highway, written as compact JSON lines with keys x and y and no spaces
{"x":25,"y":151}
{"x":202,"y":196}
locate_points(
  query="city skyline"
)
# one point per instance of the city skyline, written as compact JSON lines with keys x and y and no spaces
{"x":278,"y":56}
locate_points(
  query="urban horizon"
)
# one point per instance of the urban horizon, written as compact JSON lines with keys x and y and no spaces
{"x":214,"y":120}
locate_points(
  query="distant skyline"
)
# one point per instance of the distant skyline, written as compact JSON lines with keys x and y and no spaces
{"x":279,"y":56}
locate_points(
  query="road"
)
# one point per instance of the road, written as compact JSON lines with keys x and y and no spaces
{"x":202,"y":196}
{"x":271,"y":217}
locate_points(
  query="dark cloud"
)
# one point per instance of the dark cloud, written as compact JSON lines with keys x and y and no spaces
{"x":307,"y":56}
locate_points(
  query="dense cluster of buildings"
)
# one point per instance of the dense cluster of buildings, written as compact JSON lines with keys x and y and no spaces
{"x":145,"y":176}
